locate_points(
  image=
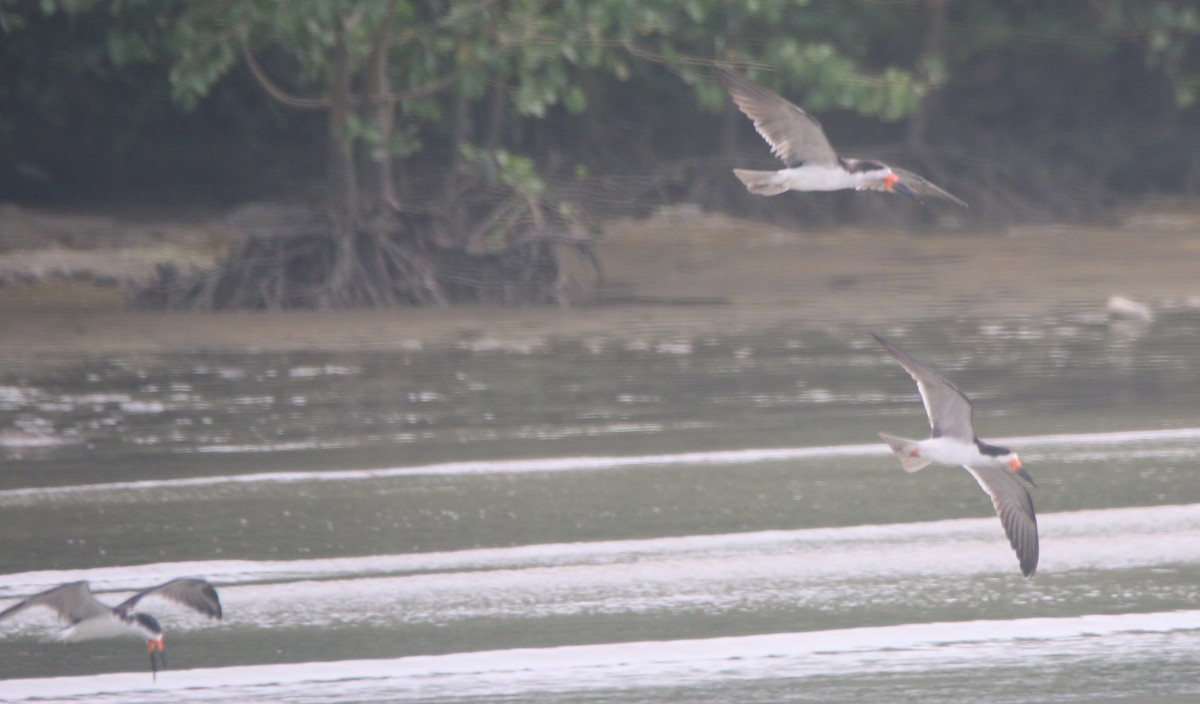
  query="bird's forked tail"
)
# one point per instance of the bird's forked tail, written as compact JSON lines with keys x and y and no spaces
{"x":906,"y":450}
{"x":763,"y":183}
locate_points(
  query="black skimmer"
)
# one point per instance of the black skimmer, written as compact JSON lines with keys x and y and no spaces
{"x":90,"y":619}
{"x":797,"y":139}
{"x":953,"y":442}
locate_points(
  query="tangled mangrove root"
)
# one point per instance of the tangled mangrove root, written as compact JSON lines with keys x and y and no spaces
{"x":322,"y":264}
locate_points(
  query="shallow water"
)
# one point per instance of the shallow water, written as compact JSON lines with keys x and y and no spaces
{"x":650,"y":517}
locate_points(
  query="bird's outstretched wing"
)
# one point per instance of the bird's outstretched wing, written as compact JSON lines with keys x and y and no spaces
{"x":919,"y":188}
{"x":795,"y":136}
{"x":949,"y":409}
{"x":73,"y":602}
{"x":1015,"y":508}
{"x":193,"y":593}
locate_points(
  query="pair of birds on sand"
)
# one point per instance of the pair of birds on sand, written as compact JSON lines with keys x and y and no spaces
{"x":797,"y":139}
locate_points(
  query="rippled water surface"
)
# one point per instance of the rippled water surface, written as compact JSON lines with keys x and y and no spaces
{"x":628,"y":518}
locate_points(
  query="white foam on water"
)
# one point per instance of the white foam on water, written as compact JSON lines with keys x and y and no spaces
{"x":129,"y":490}
{"x":821,"y":568}
{"x":1117,"y":535}
{"x":852,"y":652}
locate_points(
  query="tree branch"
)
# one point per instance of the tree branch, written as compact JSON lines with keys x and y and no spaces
{"x":274,"y":90}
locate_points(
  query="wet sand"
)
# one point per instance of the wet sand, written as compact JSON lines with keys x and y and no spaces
{"x":679,"y":276}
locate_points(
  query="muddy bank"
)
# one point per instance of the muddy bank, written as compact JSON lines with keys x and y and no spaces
{"x":666,"y":276}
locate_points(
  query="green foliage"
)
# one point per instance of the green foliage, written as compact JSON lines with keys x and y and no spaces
{"x":514,"y":170}
{"x":540,"y":50}
{"x":532,"y":59}
{"x":1171,"y":31}
{"x":849,"y":54}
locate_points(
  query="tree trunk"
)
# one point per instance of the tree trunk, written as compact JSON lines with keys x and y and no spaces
{"x":378,"y":94}
{"x":931,"y":52}
{"x":343,"y":181}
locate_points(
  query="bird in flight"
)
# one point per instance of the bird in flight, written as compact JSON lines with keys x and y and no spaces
{"x":89,"y":619}
{"x":953,"y":441}
{"x":797,"y":139}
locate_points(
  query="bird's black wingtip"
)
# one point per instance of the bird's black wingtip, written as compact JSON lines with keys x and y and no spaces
{"x":211,"y":592}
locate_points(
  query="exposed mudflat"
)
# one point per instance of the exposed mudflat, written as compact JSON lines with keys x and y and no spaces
{"x":664,"y":276}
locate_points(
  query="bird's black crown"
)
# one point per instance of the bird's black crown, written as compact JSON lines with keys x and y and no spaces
{"x":991,"y":450}
{"x":149,"y":623}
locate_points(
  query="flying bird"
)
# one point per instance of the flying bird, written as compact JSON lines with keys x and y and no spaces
{"x":797,"y":139}
{"x":953,"y":442}
{"x":90,"y":619}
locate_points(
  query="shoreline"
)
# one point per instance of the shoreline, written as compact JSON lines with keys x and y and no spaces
{"x":669,"y":276}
